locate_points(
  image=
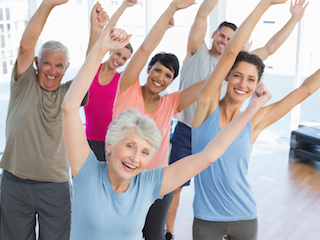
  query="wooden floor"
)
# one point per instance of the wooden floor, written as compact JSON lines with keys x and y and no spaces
{"x":287,"y":194}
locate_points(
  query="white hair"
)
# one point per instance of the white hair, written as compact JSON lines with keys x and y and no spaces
{"x":132,"y":119}
{"x":53,"y":47}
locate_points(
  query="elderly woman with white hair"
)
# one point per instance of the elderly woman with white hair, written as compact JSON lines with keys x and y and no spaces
{"x":111,"y":199}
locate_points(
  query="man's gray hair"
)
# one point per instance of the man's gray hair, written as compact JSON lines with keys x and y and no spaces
{"x":132,"y":119}
{"x":53,"y":47}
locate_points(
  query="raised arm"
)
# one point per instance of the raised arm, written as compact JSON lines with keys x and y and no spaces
{"x":297,"y":11}
{"x":179,"y":172}
{"x":115,"y":17}
{"x":271,"y":113}
{"x":208,"y":98}
{"x":98,"y":20}
{"x":31,"y":34}
{"x":199,"y":28}
{"x":131,"y":73}
{"x":77,"y":147}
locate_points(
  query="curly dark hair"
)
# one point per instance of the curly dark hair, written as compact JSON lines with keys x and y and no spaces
{"x":249,"y":58}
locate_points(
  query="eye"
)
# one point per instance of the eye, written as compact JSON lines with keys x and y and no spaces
{"x":236,"y":75}
{"x":169,"y":76}
{"x":146,"y":153}
{"x":157,"y":70}
{"x":129,"y":146}
{"x":124,"y":59}
{"x":118,"y":53}
{"x":252,"y":80}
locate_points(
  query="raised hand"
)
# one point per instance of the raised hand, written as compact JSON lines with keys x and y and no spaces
{"x":297,"y":9}
{"x":260,"y":96}
{"x":181,"y":4}
{"x":115,"y":38}
{"x":99,"y":17}
{"x":130,"y":3}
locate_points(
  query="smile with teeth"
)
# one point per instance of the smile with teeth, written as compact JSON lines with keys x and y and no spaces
{"x":50,"y":77}
{"x":239,"y":91}
{"x":128,"y":165}
{"x":115,"y":64}
{"x":157,"y":84}
{"x":222,"y":46}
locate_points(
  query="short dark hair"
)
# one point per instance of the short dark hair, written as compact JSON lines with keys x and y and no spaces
{"x":227,"y":24}
{"x":168,"y":60}
{"x":249,"y":58}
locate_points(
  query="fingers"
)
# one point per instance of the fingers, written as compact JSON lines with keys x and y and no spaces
{"x":262,"y":90}
{"x":99,"y":17}
{"x":260,"y":96}
{"x":119,"y":35}
{"x":101,"y":14}
{"x":171,"y":23}
{"x":96,"y":8}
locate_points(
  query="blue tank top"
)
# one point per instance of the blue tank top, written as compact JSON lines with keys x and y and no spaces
{"x":222,"y":191}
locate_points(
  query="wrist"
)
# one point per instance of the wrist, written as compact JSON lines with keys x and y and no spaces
{"x":173,"y":6}
{"x":47,"y":5}
{"x":295,"y":19}
{"x":252,"y":109}
{"x":124,"y":5}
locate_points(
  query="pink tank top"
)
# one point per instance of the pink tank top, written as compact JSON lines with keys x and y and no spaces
{"x":167,"y":108}
{"x":99,"y":109}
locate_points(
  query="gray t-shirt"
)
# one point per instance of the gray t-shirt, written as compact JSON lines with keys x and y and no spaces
{"x":34,"y":142}
{"x":197,"y":68}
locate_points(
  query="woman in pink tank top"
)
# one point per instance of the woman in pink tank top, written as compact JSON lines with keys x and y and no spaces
{"x":98,"y":111}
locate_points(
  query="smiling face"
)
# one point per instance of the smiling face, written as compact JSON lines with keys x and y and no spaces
{"x":128,"y":157}
{"x":220,"y":41}
{"x":119,"y":57}
{"x":159,"y":78}
{"x":51,"y":69}
{"x":242,"y":81}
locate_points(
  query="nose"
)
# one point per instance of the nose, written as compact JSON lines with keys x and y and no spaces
{"x":134,"y":156}
{"x":52,"y":70}
{"x":242,"y":82}
{"x":161,"y":77}
{"x":225,"y":41}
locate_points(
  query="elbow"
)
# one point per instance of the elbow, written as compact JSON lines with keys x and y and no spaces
{"x":65,"y":107}
{"x":304,"y":92}
{"x":309,"y":91}
{"x":232,"y":49}
{"x":24,"y":47}
{"x":203,"y":99}
{"x":144,"y":48}
{"x":271,"y":49}
{"x":68,"y":106}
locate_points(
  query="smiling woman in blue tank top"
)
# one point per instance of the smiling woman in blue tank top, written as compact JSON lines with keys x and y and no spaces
{"x":224,"y":203}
